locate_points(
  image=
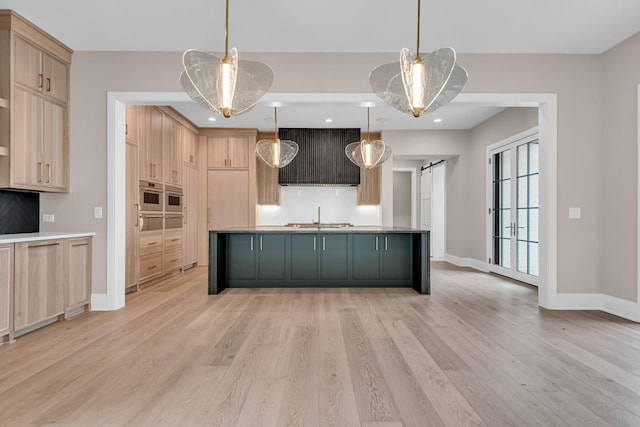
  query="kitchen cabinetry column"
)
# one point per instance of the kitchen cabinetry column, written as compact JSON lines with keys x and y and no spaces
{"x":6,"y":293}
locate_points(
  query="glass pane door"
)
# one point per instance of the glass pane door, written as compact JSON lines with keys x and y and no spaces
{"x":515,"y":210}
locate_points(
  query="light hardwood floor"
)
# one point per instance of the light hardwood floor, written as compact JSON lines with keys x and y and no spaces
{"x":478,"y":351}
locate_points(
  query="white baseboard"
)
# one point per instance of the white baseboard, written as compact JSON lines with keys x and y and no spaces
{"x":99,"y":302}
{"x":467,"y":262}
{"x":621,"y":307}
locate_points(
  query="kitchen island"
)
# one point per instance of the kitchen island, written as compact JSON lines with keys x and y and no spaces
{"x":319,"y":257}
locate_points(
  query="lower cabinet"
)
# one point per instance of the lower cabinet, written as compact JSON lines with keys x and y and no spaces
{"x":151,"y":255}
{"x":172,"y":250}
{"x":272,"y":256}
{"x":333,"y":258}
{"x":39,"y":282}
{"x":78,"y":257}
{"x":241,"y":256}
{"x":6,"y":287}
{"x":304,"y":256}
{"x":381,"y":256}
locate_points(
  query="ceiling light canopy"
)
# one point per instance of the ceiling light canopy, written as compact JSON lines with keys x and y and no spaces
{"x":276,"y":153}
{"x":366,"y":153}
{"x":227,"y":86}
{"x":418,"y":85}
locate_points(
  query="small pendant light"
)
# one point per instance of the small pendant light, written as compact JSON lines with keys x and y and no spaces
{"x":366,"y":153}
{"x":276,"y":153}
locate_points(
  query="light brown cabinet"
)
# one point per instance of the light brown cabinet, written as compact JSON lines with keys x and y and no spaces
{"x":368,"y":192}
{"x":172,"y":259}
{"x":172,"y":148}
{"x":40,"y":71}
{"x":34,"y":81}
{"x":132,"y":217}
{"x":131,"y":126}
{"x":189,"y":147}
{"x":151,"y":253}
{"x":267,"y":178}
{"x":39,"y":282}
{"x":231,"y":178}
{"x":190,"y":223}
{"x":78,"y":269}
{"x":228,"y":151}
{"x":150,"y":151}
{"x":6,"y":293}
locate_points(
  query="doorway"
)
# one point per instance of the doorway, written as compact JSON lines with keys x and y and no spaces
{"x":433,"y":207}
{"x":514,"y":188}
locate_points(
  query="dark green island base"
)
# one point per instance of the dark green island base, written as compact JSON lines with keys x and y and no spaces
{"x":282,"y":257}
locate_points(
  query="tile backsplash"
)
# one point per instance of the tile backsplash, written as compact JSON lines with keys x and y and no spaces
{"x":300,"y":204}
{"x":19,"y":212}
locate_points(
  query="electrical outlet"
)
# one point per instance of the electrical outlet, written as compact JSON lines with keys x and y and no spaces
{"x":48,"y":218}
{"x":97,"y":212}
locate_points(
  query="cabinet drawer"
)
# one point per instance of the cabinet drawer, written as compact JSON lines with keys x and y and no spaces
{"x":150,"y":266}
{"x":173,"y":240}
{"x":150,"y":242}
{"x":172,"y":260}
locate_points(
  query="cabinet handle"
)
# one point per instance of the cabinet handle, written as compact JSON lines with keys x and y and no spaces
{"x":152,"y":243}
{"x":42,"y":245}
{"x":39,"y":172}
{"x":48,"y":173}
{"x":174,"y":240}
{"x":126,"y":129}
{"x":229,"y":162}
{"x":79,"y":244}
{"x":323,"y":243}
{"x":48,"y":84}
{"x":174,"y":260}
{"x":260,"y":243}
{"x":191,"y":158}
{"x":251,"y":243}
{"x":151,"y":170}
{"x":376,"y":243}
{"x":385,"y":243}
{"x":41,"y":81}
{"x":138,"y":215}
{"x":314,"y":243}
{"x":185,"y":215}
{"x":152,"y":267}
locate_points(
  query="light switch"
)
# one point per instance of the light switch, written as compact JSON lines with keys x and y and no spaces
{"x":574,"y":213}
{"x":97,"y":212}
{"x":48,"y":218}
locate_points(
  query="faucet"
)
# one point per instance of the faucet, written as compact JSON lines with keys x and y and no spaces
{"x":318,"y":222}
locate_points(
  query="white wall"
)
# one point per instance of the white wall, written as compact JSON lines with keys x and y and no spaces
{"x":300,"y":204}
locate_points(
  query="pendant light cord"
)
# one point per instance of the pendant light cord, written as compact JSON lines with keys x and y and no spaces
{"x":275,"y":119}
{"x":226,"y":31}
{"x":368,"y":132}
{"x":418,"y":42}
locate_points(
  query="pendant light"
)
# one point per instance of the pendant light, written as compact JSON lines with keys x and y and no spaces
{"x":366,"y":153}
{"x":226,"y":86}
{"x":276,"y":153}
{"x":417,"y":84}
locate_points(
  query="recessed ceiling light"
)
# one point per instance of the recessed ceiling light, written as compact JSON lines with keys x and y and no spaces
{"x":212,"y":119}
{"x":328,"y":120}
{"x":437,"y":120}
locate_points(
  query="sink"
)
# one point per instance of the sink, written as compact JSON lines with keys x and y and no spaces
{"x":321,"y":225}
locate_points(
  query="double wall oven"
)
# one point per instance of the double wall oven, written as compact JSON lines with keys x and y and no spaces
{"x":160,"y":206}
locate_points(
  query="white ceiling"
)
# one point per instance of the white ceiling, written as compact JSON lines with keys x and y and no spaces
{"x":337,"y":26}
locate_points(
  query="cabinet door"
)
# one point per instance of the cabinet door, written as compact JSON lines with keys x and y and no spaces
{"x":334,"y":262}
{"x":155,"y":153}
{"x":6,"y":283}
{"x":241,"y":253}
{"x":189,"y":146}
{"x":28,"y":64}
{"x":78,"y":254}
{"x":217,"y":152}
{"x":304,"y":256}
{"x":144,"y":142}
{"x":171,"y":144}
{"x":27,"y":164}
{"x":56,"y":78}
{"x":228,"y":198}
{"x":190,"y":222}
{"x":54,"y":146}
{"x":39,"y":282}
{"x":238,"y":152}
{"x":132,"y":210}
{"x":396,"y":256}
{"x":131,"y":124}
{"x":365,"y":256}
{"x":272,"y":256}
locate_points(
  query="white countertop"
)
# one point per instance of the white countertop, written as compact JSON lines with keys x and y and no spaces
{"x":48,"y":235}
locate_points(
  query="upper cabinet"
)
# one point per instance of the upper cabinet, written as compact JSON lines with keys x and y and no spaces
{"x":172,"y":147}
{"x":150,"y":143}
{"x":189,"y":146}
{"x":228,"y":152}
{"x":34,"y":81}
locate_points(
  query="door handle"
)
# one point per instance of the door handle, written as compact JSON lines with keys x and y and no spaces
{"x":385,"y":243}
{"x":376,"y":243}
{"x":314,"y":243}
{"x":260,"y":243}
{"x":323,"y":243}
{"x":251,"y":243}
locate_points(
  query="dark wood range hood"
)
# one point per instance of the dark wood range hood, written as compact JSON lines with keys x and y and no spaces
{"x":321,"y":160}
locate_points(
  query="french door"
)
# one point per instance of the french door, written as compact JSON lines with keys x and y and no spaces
{"x":515,"y":210}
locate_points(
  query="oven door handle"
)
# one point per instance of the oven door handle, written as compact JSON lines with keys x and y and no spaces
{"x":171,"y":193}
{"x":151,"y":189}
